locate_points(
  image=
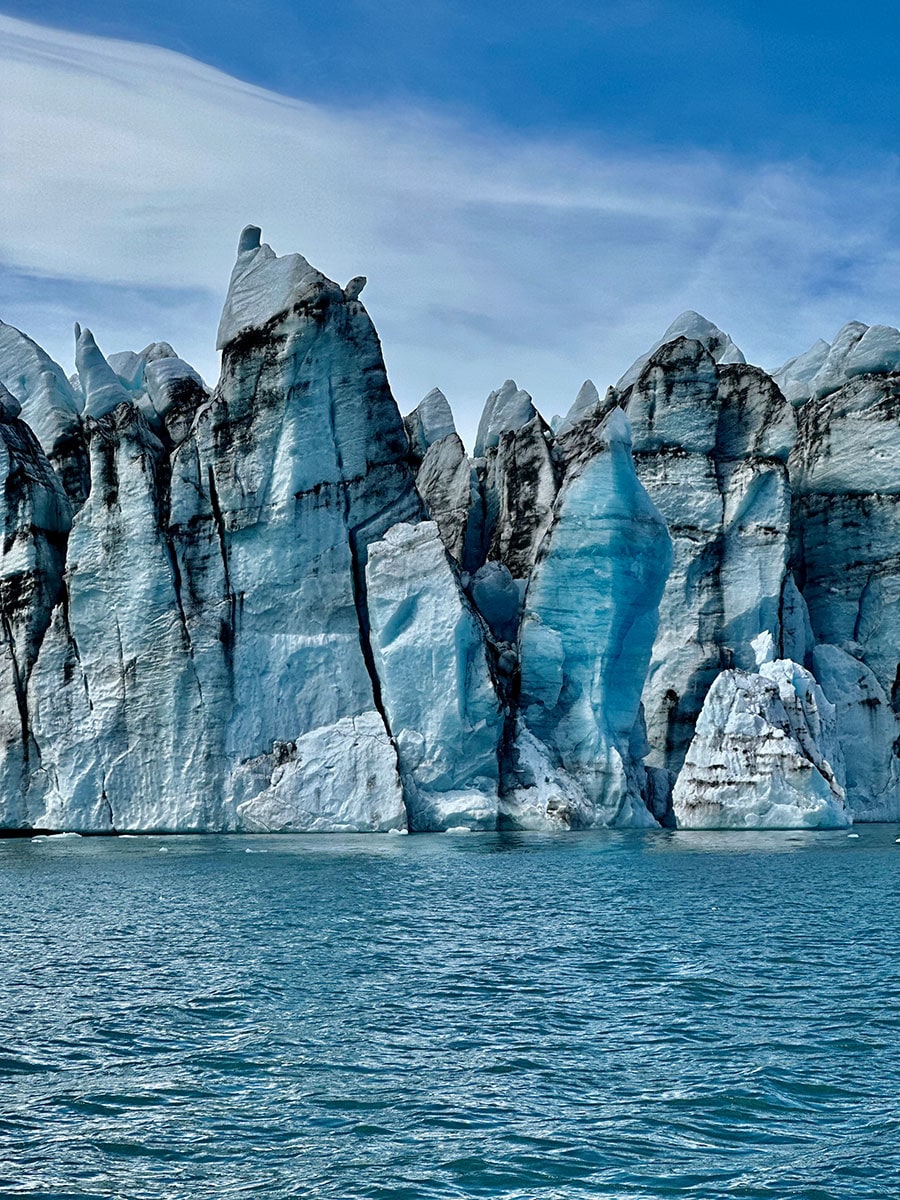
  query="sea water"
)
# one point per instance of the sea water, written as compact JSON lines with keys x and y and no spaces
{"x":592,"y":1015}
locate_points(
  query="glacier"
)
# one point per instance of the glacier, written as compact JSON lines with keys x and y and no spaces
{"x":435,"y":679}
{"x":765,"y":753}
{"x":590,"y":619}
{"x":278,"y":605}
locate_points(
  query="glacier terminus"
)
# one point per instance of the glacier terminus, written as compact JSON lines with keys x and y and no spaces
{"x":278,"y":605}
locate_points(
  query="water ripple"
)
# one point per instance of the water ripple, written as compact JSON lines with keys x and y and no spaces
{"x":609,"y":1016}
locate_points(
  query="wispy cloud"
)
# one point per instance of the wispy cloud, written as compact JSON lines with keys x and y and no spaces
{"x":128,"y":171}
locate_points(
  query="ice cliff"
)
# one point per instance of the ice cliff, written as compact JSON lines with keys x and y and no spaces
{"x":589,"y":622}
{"x":278,"y":605}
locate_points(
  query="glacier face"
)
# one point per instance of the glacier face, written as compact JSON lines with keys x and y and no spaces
{"x":846,"y":517}
{"x":296,"y":464}
{"x":210,"y":657}
{"x":587,"y":632}
{"x":435,"y":681}
{"x":115,"y":696}
{"x":37,"y":519}
{"x":711,"y":443}
{"x":279,"y":606}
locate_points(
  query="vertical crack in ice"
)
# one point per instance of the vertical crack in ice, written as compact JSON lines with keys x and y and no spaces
{"x":228,"y":630}
{"x":21,"y":699}
{"x":357,"y":572}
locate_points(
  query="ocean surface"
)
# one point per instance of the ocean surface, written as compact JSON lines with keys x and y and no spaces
{"x":594,"y":1015}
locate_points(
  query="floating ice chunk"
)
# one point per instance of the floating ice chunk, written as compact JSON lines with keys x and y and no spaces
{"x":810,"y":714}
{"x":341,"y":778}
{"x":545,"y":796}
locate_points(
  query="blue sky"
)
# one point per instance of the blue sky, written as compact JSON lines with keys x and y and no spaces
{"x":533,"y":190}
{"x":745,"y":76}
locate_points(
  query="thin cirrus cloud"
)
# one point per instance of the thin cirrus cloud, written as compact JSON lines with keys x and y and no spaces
{"x":128,"y":172}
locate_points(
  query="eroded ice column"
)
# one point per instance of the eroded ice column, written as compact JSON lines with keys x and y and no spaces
{"x":436,"y":685}
{"x":117,"y":716}
{"x":296,"y":465}
{"x":755,"y":432}
{"x":36,"y":516}
{"x":588,"y":628}
{"x":429,"y":422}
{"x":693,"y":327}
{"x":857,"y":350}
{"x":447,"y":480}
{"x":519,"y":478}
{"x":866,"y":729}
{"x":673,"y":408}
{"x":166,"y":389}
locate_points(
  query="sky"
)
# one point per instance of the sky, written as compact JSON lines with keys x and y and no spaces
{"x":533,"y":191}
